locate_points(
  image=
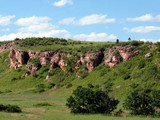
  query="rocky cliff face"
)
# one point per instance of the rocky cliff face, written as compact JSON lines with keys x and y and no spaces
{"x":125,"y":52}
{"x":112,"y":57}
{"x":6,"y":47}
{"x":91,"y":59}
{"x":19,"y":58}
{"x":118,"y":54}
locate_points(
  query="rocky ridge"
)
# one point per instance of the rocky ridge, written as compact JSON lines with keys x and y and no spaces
{"x":112,"y":57}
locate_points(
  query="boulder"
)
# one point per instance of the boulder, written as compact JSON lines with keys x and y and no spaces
{"x":148,"y":55}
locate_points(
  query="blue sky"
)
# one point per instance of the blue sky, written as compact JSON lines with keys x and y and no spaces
{"x":90,"y":20}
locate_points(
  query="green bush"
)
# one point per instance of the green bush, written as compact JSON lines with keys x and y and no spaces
{"x":10,"y":108}
{"x":141,"y":64}
{"x":118,"y":113}
{"x":13,"y":79}
{"x":84,"y":75}
{"x":35,"y":61}
{"x":143,"y":102}
{"x":42,"y":104}
{"x":91,"y":100}
{"x":50,"y":85}
{"x":40,"y":88}
{"x":69,"y":85}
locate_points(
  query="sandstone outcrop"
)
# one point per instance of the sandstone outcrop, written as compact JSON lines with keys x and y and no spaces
{"x":18,"y":58}
{"x":116,"y":55}
{"x":6,"y":47}
{"x":92,"y":59}
{"x":125,"y":52}
{"x":112,"y":58}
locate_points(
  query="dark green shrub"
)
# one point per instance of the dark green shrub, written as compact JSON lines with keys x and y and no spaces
{"x":10,"y":108}
{"x":69,"y":85}
{"x":141,"y":64}
{"x":108,"y":85}
{"x":2,"y":107}
{"x":71,"y":63}
{"x":143,"y":102}
{"x":91,"y":100}
{"x":35,"y":61}
{"x":116,"y":53}
{"x":13,"y":79}
{"x":42,"y":104}
{"x":40,"y":88}
{"x":126,"y":76}
{"x":35,"y":75}
{"x":84,"y":75}
{"x":136,"y":43}
{"x":134,"y":85}
{"x":118,"y":113}
{"x":50,"y":85}
{"x":90,"y":85}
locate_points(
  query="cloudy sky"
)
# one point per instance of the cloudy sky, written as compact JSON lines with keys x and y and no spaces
{"x":90,"y":20}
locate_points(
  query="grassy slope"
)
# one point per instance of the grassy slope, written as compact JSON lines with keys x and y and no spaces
{"x":136,"y":72}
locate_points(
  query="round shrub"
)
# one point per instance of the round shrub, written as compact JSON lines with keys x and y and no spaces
{"x":143,"y":102}
{"x":10,"y":108}
{"x":91,"y":100}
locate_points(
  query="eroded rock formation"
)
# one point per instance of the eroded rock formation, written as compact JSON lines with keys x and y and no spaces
{"x":125,"y":52}
{"x":6,"y":47}
{"x":92,"y":59}
{"x":112,"y":57}
{"x":116,"y":55}
{"x":18,"y":58}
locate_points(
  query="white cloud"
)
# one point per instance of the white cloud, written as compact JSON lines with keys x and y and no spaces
{"x":32,"y":21}
{"x":67,"y":21}
{"x":147,"y":17}
{"x":143,"y":29}
{"x":95,"y":37}
{"x":6,"y":20}
{"x":36,"y":27}
{"x":88,"y":20}
{"x":42,"y":27}
{"x":35,"y":24}
{"x":53,"y":33}
{"x":63,"y":3}
{"x":150,"y":40}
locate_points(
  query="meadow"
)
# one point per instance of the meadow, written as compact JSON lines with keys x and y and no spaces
{"x":57,"y":110}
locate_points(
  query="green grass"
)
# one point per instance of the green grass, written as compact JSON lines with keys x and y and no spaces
{"x":56,"y":44}
{"x":57,"y":111}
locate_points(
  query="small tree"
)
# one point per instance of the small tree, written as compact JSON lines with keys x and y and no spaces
{"x":117,"y":41}
{"x":91,"y":100}
{"x":129,"y":39}
{"x":143,"y":102}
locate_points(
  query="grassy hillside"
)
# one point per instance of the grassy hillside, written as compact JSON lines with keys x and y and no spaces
{"x":139,"y":72}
